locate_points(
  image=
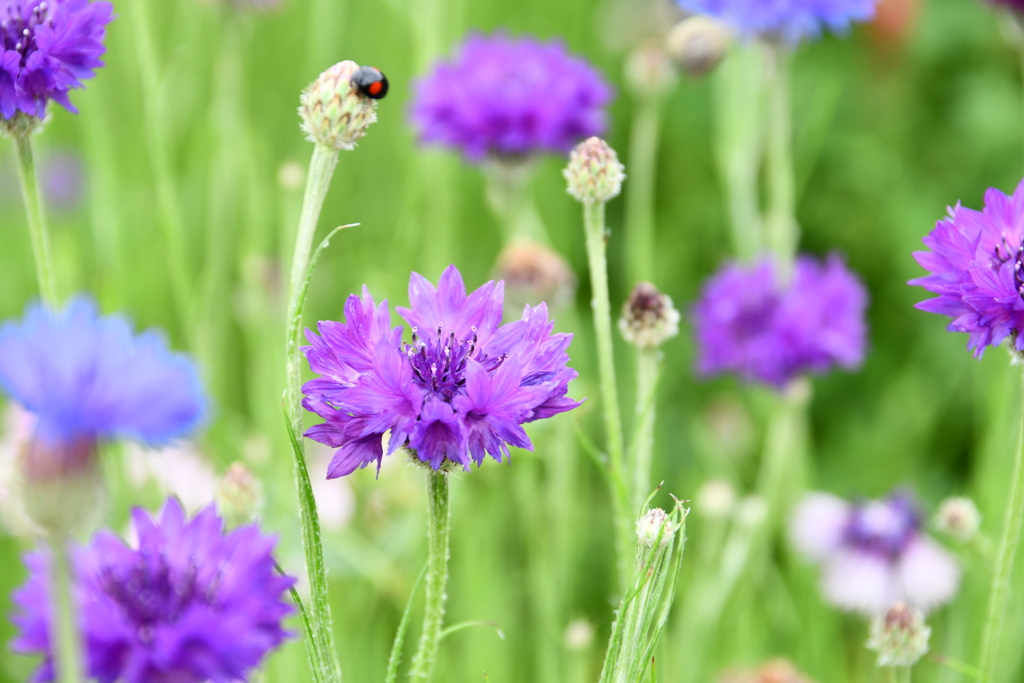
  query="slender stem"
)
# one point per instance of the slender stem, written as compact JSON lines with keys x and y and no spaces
{"x":321,"y":168}
{"x":781,"y":227}
{"x":1005,"y":556}
{"x":437,"y":576}
{"x":508,"y":193}
{"x":647,"y":362}
{"x":69,"y":646}
{"x":593,"y":219}
{"x":29,"y":180}
{"x":738,"y":143}
{"x":171,"y":221}
{"x":643,"y":157}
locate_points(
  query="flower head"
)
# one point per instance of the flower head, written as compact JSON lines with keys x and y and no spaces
{"x":787,"y":20}
{"x":959,"y":518}
{"x":749,"y":323}
{"x":534,"y":272}
{"x":48,"y":47}
{"x":873,"y":553}
{"x":87,"y":377}
{"x":975,"y":266}
{"x":334,"y":112}
{"x":655,"y":527}
{"x":459,"y":388}
{"x":900,"y":636}
{"x":648,"y":317}
{"x":508,"y":96}
{"x":594,"y":173}
{"x":188,"y":604}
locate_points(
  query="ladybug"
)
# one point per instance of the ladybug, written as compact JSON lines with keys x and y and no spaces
{"x":371,"y":81}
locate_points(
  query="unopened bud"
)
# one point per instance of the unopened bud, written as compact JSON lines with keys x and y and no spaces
{"x":533,"y":273}
{"x":716,"y":499}
{"x":649,"y":71}
{"x":648,"y":317}
{"x":900,"y":636}
{"x":594,"y":172}
{"x":334,"y":112}
{"x":238,"y":495}
{"x":655,"y":522}
{"x":61,"y":483}
{"x":958,"y":517}
{"x":698,"y":44}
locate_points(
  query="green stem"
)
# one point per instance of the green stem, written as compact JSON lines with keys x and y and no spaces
{"x":647,"y":362}
{"x":29,"y":180}
{"x":69,"y":646}
{"x":780,"y":225}
{"x":643,"y":157}
{"x":321,"y":168}
{"x":320,"y":639}
{"x":171,"y":222}
{"x":508,"y":193}
{"x":782,"y":461}
{"x":593,"y":220}
{"x":437,"y":576}
{"x":738,"y":142}
{"x":1005,"y":555}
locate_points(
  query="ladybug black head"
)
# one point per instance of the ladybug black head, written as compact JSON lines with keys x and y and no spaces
{"x":371,"y":82}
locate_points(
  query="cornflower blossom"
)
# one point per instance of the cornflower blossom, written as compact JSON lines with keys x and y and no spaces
{"x":788,"y":20}
{"x":189,"y":603}
{"x":87,"y":377}
{"x":748,"y":322}
{"x":460,"y":388}
{"x":873,"y":553}
{"x":974,"y":263}
{"x":48,"y":47}
{"x":1016,"y":5}
{"x":509,"y":97}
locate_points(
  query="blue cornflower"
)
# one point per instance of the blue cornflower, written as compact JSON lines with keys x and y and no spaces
{"x":87,"y":377}
{"x":188,"y":604}
{"x":788,"y":20}
{"x":459,"y":389}
{"x":48,"y":47}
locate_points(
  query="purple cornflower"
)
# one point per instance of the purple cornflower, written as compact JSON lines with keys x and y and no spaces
{"x":873,"y":553}
{"x":1017,"y":5}
{"x":748,"y":323}
{"x":88,"y":377}
{"x":510,"y":97}
{"x":460,"y":388}
{"x":48,"y":48}
{"x":975,"y":267}
{"x":788,"y":20}
{"x":189,"y":603}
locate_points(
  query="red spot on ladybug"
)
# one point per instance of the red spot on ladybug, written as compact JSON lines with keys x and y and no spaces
{"x":371,"y":81}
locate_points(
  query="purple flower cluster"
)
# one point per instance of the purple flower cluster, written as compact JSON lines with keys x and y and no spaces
{"x":188,"y":604}
{"x":48,"y":47}
{"x":510,"y":97}
{"x":86,"y":377}
{"x":873,"y":553}
{"x":790,"y":20}
{"x":975,"y":266}
{"x":749,"y":323}
{"x":460,"y":388}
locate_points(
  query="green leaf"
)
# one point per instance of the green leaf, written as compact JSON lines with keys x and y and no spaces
{"x":396,"y":649}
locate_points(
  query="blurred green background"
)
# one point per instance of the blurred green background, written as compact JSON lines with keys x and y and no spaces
{"x":198,"y":128}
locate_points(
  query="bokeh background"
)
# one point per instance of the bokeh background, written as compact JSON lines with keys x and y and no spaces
{"x":195,"y":125}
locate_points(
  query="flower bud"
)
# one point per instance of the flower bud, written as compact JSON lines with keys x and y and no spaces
{"x":649,"y":71}
{"x":648,"y":318}
{"x":959,"y":518}
{"x":533,"y":273}
{"x":238,"y":495}
{"x":334,"y":112}
{"x":61,"y":483}
{"x":900,"y":636}
{"x":594,"y":172}
{"x":716,"y":499}
{"x":698,"y":44}
{"x":650,"y":526}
